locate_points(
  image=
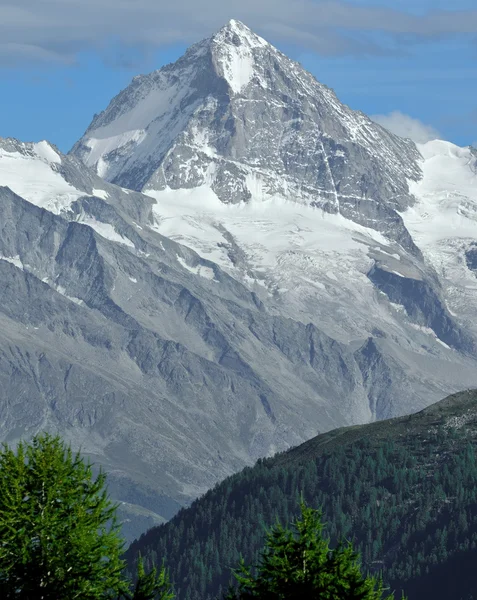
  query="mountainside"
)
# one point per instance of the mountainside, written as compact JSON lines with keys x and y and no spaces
{"x":162,"y":367}
{"x":279,"y":266}
{"x":236,"y":116}
{"x":403,"y":490}
{"x":259,"y":168}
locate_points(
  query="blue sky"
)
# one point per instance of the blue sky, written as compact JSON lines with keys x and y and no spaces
{"x":63,"y":60}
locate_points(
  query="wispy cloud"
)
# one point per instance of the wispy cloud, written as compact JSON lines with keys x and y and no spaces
{"x":58,"y":29}
{"x":407,"y":127}
{"x":13,"y":54}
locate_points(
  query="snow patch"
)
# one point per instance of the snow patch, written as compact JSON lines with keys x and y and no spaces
{"x":237,"y":68}
{"x":201,"y":270}
{"x":61,"y":290}
{"x":233,"y":51}
{"x":32,"y":178}
{"x":106,"y":230}
{"x":100,"y":194}
{"x":14,"y":260}
{"x":398,"y":307}
{"x":45,"y":151}
{"x":429,"y":331}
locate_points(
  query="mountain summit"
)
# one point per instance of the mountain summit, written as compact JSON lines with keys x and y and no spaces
{"x":291,"y":267}
{"x":326,"y":216}
{"x":233,"y":49}
{"x":236,"y":115}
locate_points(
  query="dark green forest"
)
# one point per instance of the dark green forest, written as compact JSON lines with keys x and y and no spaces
{"x":403,"y":491}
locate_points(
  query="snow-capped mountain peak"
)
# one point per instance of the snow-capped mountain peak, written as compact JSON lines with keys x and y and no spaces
{"x":236,"y":116}
{"x":233,"y":54}
{"x":237,"y":33}
{"x":34,"y":171}
{"x":291,"y":266}
{"x":236,"y":142}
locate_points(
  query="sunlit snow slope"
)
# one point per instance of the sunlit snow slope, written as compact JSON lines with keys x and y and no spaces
{"x":443,"y":222}
{"x":313,"y":207}
{"x":301,"y":258}
{"x":228,"y":262}
{"x":31,"y":171}
{"x":38,"y":173}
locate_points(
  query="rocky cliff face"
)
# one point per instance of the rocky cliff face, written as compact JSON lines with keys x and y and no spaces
{"x":237,"y":115}
{"x":155,"y":361}
{"x":242,"y":262}
{"x":237,"y":142}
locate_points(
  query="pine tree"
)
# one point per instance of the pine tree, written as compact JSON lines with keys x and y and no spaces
{"x":151,"y":585}
{"x":59,"y":535}
{"x":298,"y":563}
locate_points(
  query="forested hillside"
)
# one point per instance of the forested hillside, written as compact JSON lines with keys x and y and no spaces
{"x":403,"y":490}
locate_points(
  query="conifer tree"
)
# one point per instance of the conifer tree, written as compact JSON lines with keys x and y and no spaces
{"x":298,"y":563}
{"x":151,"y":585}
{"x":59,"y":535}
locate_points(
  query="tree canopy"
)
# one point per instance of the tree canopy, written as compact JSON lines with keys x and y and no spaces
{"x":404,"y":492}
{"x":298,"y":563}
{"x":59,"y":535}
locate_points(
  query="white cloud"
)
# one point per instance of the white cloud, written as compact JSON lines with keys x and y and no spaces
{"x":407,"y":127}
{"x":62,"y":28}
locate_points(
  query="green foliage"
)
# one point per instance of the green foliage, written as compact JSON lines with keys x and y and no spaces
{"x":404,"y":492}
{"x":151,"y":585}
{"x":59,"y":537}
{"x":299,"y":564}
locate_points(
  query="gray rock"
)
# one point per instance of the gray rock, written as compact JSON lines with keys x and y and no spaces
{"x":169,"y":380}
{"x":424,"y":305}
{"x":277,"y":124}
{"x":163,"y":367}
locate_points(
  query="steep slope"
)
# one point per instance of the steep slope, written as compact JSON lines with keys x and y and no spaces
{"x":443,"y":222}
{"x":313,"y":207}
{"x":402,"y":490}
{"x":238,"y":117}
{"x":162,"y":367}
{"x":266,"y":287}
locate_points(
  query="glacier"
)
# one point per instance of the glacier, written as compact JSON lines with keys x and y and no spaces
{"x":227,"y":263}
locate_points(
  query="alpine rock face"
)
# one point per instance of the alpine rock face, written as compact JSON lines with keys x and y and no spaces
{"x":238,"y":117}
{"x":229,"y":262}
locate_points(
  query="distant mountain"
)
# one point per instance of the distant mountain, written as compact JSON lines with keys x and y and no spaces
{"x":404,"y":491}
{"x":237,"y":116}
{"x":277,"y":266}
{"x":159,"y":365}
{"x":258,"y":167}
